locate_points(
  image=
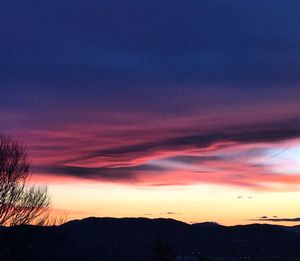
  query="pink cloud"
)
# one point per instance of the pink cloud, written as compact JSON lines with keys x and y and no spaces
{"x":232,"y":148}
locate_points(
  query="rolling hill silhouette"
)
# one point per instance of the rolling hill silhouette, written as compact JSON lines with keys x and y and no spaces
{"x":135,"y":238}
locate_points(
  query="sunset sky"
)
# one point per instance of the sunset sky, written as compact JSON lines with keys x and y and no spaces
{"x":178,"y":109}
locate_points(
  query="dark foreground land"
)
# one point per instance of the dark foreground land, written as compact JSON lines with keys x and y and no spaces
{"x":139,"y":239}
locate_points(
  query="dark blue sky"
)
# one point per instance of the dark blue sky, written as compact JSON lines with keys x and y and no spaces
{"x":139,"y":54}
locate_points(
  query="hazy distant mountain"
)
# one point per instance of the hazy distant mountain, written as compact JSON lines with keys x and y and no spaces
{"x":206,"y":224}
{"x":135,"y":239}
{"x":295,"y":229}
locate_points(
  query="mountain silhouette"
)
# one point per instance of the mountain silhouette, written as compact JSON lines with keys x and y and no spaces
{"x":134,"y":239}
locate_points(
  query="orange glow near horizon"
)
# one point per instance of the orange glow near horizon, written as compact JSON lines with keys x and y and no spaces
{"x":191,"y":204}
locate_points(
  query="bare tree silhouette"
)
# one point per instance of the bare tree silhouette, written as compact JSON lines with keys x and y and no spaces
{"x":20,"y":203}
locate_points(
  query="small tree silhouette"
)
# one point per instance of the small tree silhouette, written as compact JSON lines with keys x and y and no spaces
{"x":163,"y":251}
{"x":20,"y":203}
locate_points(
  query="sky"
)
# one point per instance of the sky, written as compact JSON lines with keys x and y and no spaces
{"x":178,"y":109}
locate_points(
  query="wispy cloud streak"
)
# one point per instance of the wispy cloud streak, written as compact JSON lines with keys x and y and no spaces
{"x":240,"y":156}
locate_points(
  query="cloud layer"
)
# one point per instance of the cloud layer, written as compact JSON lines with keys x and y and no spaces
{"x":243,"y":156}
{"x":277,"y":219}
